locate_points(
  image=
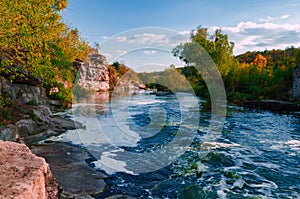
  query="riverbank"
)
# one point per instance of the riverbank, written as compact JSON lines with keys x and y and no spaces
{"x":272,"y":105}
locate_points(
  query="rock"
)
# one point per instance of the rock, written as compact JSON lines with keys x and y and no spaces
{"x":61,"y":124}
{"x":93,"y":73}
{"x":68,"y":164}
{"x":164,"y":93}
{"x":124,"y":85}
{"x":142,"y":86}
{"x":8,"y":133}
{"x":23,"y":93}
{"x":25,"y":127}
{"x":23,"y":174}
{"x":40,"y":136}
{"x":54,"y":103}
{"x":43,"y":114}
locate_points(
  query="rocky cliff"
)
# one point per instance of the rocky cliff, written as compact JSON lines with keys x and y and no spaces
{"x":23,"y":174}
{"x":23,"y":92}
{"x":93,"y":74}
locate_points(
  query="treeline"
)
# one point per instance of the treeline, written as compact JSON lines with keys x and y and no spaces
{"x":250,"y":76}
{"x":36,"y":45}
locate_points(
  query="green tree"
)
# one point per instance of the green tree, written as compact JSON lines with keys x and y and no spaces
{"x":34,"y":42}
{"x":217,"y":46}
{"x":29,"y":30}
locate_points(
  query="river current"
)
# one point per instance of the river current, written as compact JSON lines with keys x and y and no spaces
{"x":255,"y":155}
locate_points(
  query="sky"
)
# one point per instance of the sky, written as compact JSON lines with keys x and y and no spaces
{"x":142,"y":32}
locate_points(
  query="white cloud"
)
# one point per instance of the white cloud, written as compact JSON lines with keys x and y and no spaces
{"x":242,"y":26}
{"x":148,"y":38}
{"x":251,"y":40}
{"x":284,"y":16}
{"x":184,"y":32}
{"x":269,"y":33}
{"x":121,"y":52}
{"x":104,"y":37}
{"x":121,"y":39}
{"x":274,"y":19}
{"x":149,"y":52}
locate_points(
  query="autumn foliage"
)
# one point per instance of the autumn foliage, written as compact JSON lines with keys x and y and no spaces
{"x":34,"y":42}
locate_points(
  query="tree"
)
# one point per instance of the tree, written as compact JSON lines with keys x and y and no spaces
{"x":34,"y":42}
{"x":217,"y":46}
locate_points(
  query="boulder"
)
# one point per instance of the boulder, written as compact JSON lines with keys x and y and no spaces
{"x":23,"y":174}
{"x":43,"y":114}
{"x":25,"y":127}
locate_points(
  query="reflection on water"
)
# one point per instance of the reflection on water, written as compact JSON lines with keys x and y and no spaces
{"x":256,"y":156}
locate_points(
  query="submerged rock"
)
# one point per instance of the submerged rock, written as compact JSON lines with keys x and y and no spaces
{"x":23,"y":174}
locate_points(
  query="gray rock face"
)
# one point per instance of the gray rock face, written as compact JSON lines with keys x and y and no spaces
{"x":23,"y":93}
{"x":25,"y":127}
{"x":43,"y":114}
{"x":93,"y":74}
{"x":8,"y":133}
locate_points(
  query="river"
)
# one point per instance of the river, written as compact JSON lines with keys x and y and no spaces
{"x":256,"y":155}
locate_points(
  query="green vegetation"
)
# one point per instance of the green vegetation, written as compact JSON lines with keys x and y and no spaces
{"x":32,"y":103}
{"x":250,"y":76}
{"x":33,"y":116}
{"x":6,"y":114}
{"x":36,"y":44}
{"x":4,"y":101}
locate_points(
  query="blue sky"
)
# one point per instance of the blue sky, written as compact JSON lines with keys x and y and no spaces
{"x":251,"y":25}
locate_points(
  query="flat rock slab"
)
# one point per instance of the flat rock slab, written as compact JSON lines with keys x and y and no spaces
{"x":67,"y":163}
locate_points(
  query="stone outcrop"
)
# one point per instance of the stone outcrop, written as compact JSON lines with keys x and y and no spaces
{"x":24,"y":175}
{"x":23,"y":93}
{"x":36,"y":123}
{"x":93,"y":73}
{"x":129,"y":86}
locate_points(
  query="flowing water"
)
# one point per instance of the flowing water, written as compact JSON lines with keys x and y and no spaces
{"x":256,"y":155}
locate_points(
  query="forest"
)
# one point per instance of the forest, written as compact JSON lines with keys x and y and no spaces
{"x":249,"y":76}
